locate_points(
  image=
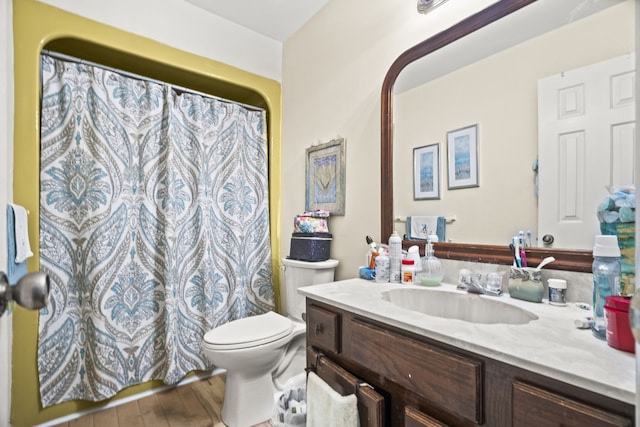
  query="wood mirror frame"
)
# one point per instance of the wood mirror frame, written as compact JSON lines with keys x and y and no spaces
{"x":571,"y":260}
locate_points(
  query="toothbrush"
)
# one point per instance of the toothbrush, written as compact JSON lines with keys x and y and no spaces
{"x":518,"y":259}
{"x":545,"y":261}
{"x":512,"y":248}
{"x":516,"y":245}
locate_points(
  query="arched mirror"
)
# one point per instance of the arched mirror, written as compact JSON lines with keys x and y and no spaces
{"x":491,"y":71}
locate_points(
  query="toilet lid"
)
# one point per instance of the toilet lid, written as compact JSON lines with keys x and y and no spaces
{"x":249,"y":331}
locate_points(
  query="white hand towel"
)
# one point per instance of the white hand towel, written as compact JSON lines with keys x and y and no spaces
{"x":23,"y":249}
{"x":419,"y":227}
{"x":326,"y":407}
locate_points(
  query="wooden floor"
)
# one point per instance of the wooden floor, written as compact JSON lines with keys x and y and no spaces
{"x":197,"y":404}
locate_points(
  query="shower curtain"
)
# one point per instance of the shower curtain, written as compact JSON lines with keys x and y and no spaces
{"x":154,"y":228}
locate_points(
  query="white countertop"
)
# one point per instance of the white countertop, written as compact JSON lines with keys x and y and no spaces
{"x":551,"y":345}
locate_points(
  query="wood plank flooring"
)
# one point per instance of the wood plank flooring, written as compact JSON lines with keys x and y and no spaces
{"x":197,"y":404}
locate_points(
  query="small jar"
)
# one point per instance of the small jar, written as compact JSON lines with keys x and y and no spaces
{"x":407,"y":271}
{"x":557,"y":291}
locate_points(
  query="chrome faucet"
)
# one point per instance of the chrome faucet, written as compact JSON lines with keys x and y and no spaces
{"x":471,"y":283}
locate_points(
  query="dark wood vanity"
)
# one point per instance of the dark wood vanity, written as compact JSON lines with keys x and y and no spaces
{"x":404,"y":379}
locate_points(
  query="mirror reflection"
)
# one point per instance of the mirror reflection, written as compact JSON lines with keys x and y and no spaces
{"x":510,"y":80}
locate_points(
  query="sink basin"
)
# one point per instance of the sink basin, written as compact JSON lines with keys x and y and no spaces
{"x":462,"y":306}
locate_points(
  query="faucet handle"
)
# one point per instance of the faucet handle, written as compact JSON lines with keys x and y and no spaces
{"x":464,"y":279}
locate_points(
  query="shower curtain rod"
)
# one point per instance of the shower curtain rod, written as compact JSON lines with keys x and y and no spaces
{"x":70,"y":58}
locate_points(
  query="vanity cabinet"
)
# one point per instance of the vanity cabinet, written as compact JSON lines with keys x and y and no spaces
{"x":533,"y":406}
{"x":424,"y":382}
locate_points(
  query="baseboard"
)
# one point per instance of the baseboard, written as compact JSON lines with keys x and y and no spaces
{"x":192,"y":378}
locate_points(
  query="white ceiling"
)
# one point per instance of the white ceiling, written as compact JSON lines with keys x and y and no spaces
{"x":276,"y":19}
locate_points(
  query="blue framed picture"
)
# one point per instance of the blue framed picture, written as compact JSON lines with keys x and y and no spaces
{"x":462,"y":151}
{"x":426,"y":172}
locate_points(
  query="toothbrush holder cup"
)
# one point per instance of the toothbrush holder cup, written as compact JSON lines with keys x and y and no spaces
{"x":525,"y":283}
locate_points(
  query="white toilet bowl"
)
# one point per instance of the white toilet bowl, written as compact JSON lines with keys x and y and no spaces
{"x":250,"y":349}
{"x":261,"y":352}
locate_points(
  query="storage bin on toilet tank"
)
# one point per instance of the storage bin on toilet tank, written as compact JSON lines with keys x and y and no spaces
{"x":310,"y":246}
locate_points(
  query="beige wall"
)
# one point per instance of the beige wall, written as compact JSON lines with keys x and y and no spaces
{"x":333,"y":70}
{"x":500,"y":95}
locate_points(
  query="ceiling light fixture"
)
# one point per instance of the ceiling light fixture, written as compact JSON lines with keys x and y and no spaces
{"x":426,"y":6}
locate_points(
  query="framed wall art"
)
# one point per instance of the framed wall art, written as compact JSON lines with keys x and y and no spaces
{"x":462,"y":151}
{"x":426,"y":172}
{"x":325,"y":177}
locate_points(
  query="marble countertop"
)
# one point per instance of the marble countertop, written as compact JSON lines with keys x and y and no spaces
{"x":551,"y":345}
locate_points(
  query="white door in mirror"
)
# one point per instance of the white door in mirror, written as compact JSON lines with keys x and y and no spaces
{"x":585,"y":142}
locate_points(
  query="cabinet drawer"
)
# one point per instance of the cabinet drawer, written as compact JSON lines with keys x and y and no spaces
{"x":533,"y":406}
{"x":323,"y":329}
{"x":415,"y":418}
{"x":449,"y":380}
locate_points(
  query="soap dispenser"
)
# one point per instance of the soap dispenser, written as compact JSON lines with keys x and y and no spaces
{"x":432,"y":272}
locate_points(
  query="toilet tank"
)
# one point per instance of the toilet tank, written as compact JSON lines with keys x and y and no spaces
{"x":302,"y":273}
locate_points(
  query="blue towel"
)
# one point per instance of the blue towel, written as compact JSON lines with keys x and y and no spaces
{"x":15,"y":270}
{"x":419,"y":227}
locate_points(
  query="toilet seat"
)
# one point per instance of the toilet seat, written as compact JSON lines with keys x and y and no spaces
{"x":249,"y":332}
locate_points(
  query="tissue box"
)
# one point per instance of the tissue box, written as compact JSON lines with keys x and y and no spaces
{"x":310,"y":246}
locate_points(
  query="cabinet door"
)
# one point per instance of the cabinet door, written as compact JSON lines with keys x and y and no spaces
{"x":323,"y":329}
{"x":534,"y":407}
{"x":370,"y":402}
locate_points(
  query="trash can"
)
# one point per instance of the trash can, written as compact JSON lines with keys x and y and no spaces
{"x":291,"y":404}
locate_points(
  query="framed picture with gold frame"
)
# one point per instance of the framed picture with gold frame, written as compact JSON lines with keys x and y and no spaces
{"x":325,"y":177}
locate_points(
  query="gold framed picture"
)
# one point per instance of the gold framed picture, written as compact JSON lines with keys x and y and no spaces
{"x":325,"y":177}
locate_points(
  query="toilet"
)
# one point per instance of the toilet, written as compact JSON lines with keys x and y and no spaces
{"x":262,"y":352}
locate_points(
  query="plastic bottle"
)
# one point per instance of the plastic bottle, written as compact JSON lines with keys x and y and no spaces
{"x":408,"y":271}
{"x":606,"y":279}
{"x":414,"y":253}
{"x":395,"y":256}
{"x":382,"y":268}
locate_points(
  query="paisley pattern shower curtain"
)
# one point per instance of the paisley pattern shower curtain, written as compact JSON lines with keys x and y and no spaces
{"x":154,"y":228}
